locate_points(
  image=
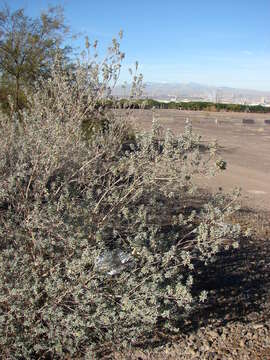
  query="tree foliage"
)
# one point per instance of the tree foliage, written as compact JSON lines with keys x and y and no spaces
{"x":27,"y":49}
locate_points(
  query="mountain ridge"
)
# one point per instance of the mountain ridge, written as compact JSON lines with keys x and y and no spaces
{"x":198,"y":92}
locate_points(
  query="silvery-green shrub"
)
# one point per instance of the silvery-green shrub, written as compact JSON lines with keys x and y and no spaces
{"x":98,"y":245}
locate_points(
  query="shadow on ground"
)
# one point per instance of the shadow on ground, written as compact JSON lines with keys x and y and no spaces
{"x":238,"y":284}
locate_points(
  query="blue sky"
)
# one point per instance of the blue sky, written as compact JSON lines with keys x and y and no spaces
{"x":222,"y":43}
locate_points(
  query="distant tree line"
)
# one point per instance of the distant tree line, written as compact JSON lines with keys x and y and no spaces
{"x":192,"y":105}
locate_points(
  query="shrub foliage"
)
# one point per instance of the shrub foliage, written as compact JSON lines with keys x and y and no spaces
{"x":72,"y":204}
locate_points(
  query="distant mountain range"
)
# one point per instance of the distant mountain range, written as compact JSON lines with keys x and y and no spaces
{"x":198,"y":92}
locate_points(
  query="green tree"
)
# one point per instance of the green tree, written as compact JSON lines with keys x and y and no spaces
{"x":27,"y":49}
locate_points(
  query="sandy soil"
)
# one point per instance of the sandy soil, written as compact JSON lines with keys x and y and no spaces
{"x":246,"y":148}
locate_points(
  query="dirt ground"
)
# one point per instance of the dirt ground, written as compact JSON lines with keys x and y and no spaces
{"x":246,"y":148}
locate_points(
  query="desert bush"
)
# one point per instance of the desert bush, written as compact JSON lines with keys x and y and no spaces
{"x":99,"y":245}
